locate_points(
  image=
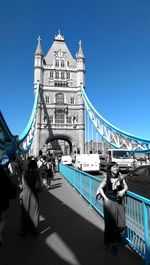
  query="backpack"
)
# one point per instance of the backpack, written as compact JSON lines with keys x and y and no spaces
{"x":49,"y":170}
{"x":43,"y":168}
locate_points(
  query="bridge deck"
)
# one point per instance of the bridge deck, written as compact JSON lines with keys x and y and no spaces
{"x":71,"y":233}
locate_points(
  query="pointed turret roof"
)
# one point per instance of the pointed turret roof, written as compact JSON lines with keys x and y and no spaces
{"x":80,"y":52}
{"x":39,"y":49}
{"x":59,"y":49}
{"x":59,"y":37}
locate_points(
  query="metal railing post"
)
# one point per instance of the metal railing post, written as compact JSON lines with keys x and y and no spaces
{"x":146,"y":234}
{"x":90,"y":191}
{"x":80,"y":184}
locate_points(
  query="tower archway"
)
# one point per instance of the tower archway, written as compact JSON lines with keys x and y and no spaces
{"x":61,"y":143}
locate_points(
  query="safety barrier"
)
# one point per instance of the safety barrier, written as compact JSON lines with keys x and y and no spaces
{"x":137,"y":209}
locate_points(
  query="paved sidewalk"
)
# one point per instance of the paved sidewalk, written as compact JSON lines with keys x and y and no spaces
{"x":71,"y":233}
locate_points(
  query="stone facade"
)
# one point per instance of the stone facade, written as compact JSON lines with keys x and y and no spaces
{"x":60,"y":106}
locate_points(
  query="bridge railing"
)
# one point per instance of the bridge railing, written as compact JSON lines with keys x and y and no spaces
{"x":137,"y":209}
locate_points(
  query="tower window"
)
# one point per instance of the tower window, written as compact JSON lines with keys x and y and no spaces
{"x":57,"y":63}
{"x":51,"y":75}
{"x":47,"y":99}
{"x":62,"y":63}
{"x":57,"y":75}
{"x":68,"y":75}
{"x":72,"y":100}
{"x":68,"y":118}
{"x":51,"y":119}
{"x":59,"y":116}
{"x":62,"y":75}
{"x":60,"y":98}
{"x":62,"y":84}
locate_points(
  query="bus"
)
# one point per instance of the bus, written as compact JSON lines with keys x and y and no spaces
{"x":122,"y":157}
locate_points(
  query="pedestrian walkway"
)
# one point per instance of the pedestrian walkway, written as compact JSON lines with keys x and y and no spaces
{"x":71,"y":233}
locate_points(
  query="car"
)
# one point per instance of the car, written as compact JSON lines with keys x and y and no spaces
{"x":138,"y":180}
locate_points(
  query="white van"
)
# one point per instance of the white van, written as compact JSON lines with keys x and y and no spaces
{"x":122,"y":157}
{"x":88,"y":162}
{"x":66,"y":160}
{"x":77,"y":159}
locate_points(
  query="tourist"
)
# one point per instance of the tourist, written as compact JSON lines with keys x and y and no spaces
{"x":7,"y":192}
{"x":112,"y":189}
{"x":29,"y":220}
{"x":50,"y":172}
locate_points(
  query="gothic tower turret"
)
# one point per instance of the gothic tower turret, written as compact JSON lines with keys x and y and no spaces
{"x":38,"y":63}
{"x":80,"y":66}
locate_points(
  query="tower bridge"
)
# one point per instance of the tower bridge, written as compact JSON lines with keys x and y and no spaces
{"x":62,"y":112}
{"x":62,"y":115}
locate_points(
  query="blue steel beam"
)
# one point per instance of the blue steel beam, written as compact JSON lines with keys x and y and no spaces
{"x":111,"y":133}
{"x":26,"y":137}
{"x":26,"y":131}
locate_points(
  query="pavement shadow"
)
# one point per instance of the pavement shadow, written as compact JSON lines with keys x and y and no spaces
{"x":66,"y":237}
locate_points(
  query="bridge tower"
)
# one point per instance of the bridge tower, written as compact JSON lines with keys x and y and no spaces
{"x":60,"y":119}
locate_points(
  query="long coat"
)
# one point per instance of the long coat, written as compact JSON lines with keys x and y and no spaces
{"x":30,"y":201}
{"x":5,"y":189}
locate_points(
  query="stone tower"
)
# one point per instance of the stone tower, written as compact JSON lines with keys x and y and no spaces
{"x":60,"y":117}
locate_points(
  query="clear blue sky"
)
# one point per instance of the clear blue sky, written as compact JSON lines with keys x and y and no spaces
{"x":116,"y":44}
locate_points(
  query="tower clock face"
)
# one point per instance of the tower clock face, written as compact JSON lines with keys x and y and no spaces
{"x":60,"y":54}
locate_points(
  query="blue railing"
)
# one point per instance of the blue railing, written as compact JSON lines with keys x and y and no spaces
{"x":137,"y":209}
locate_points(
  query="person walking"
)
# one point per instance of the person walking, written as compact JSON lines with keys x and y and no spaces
{"x":29,"y":218}
{"x":14,"y":171}
{"x":42,"y":168}
{"x":7,"y":192}
{"x":112,"y":189}
{"x":50,"y":172}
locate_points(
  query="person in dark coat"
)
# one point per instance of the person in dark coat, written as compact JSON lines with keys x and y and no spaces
{"x":50,"y":173}
{"x":6,"y":193}
{"x":112,"y":190}
{"x":29,"y":219}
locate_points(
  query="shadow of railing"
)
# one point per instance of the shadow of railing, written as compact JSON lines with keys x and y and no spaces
{"x":137,"y":209}
{"x":68,"y":236}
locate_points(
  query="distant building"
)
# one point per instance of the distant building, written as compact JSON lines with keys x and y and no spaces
{"x":95,"y":147}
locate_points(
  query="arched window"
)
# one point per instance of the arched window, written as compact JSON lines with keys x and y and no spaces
{"x":57,"y":63}
{"x":59,"y":98}
{"x":51,"y":75}
{"x":59,"y":116}
{"x":72,"y":100}
{"x":47,"y":99}
{"x":57,"y":75}
{"x":62,"y":63}
{"x":62,"y":75}
{"x":68,"y":75}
